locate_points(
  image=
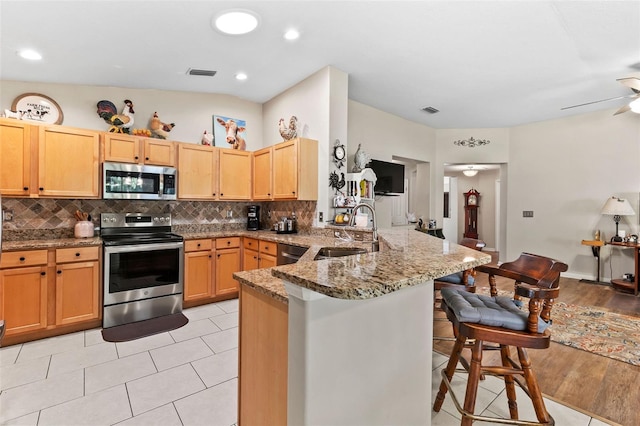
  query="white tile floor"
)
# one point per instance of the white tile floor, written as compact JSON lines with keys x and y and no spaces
{"x":186,"y":376}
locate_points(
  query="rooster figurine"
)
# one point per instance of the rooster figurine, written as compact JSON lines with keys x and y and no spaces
{"x":290,"y":132}
{"x":120,"y":123}
{"x":158,"y":128}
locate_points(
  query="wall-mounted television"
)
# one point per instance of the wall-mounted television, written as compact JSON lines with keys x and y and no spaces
{"x":390,"y":177}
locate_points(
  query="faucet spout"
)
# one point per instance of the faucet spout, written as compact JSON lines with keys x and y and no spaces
{"x":373,"y":214}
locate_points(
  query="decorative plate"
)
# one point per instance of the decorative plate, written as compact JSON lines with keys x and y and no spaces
{"x":38,"y":107}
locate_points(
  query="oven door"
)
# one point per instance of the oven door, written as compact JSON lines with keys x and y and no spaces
{"x":142,"y":271}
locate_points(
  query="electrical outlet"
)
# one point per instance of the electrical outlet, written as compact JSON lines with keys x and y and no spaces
{"x":527,"y":213}
{"x":268,"y":214}
{"x":7,"y":215}
{"x":229,"y":214}
{"x":320,"y":217}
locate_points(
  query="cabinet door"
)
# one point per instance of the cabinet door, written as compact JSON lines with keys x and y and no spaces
{"x":77,"y":292}
{"x":23,"y":299}
{"x":235,"y":174}
{"x":198,"y":275}
{"x":68,"y":162}
{"x":268,"y":261}
{"x":159,"y":153}
{"x":227,"y":262}
{"x":262,"y":174}
{"x":285,"y":170}
{"x":121,"y":148}
{"x":197,"y":172}
{"x":250,"y":260}
{"x":15,"y":157}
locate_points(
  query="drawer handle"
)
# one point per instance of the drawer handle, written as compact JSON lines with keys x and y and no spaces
{"x":146,"y":158}
{"x":59,"y":272}
{"x":77,"y":254}
{"x":221,"y":194}
{"x":22,"y":259}
{"x":136,"y":157}
{"x":26,"y":188}
{"x":198,"y":244}
{"x":228,"y":242}
{"x":43,"y":273}
{"x":41,"y":189}
{"x":209,"y":256}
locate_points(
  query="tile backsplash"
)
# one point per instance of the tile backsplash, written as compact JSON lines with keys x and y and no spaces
{"x":57,"y":215}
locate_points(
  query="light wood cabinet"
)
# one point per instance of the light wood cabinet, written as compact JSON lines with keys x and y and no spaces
{"x":132,"y":149}
{"x":198,"y":270}
{"x":295,"y":170}
{"x":258,"y":254}
{"x":263,"y":174}
{"x":77,"y":285}
{"x":198,"y":172}
{"x":16,"y":139}
{"x":250,"y":254}
{"x":23,"y":291}
{"x":68,"y":160}
{"x":234,"y":177}
{"x":228,"y":257}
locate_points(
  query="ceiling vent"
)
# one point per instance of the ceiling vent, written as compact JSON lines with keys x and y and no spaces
{"x":205,"y":73}
{"x":430,"y":110}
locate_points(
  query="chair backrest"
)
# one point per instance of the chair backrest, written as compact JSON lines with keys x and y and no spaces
{"x":541,"y":271}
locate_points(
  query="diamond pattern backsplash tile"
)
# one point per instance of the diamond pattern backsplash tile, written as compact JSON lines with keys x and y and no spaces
{"x":57,"y":215}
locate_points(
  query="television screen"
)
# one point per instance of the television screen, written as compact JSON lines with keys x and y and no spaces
{"x":390,"y":177}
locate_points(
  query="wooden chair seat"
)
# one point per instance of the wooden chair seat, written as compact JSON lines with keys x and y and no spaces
{"x":536,"y":278}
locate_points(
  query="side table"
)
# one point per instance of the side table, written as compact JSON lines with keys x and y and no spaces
{"x":624,"y":285}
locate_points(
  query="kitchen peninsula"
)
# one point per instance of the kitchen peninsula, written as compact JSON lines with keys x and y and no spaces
{"x":344,"y":340}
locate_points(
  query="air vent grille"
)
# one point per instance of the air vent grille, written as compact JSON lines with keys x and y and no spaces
{"x":205,"y":73}
{"x":430,"y":110}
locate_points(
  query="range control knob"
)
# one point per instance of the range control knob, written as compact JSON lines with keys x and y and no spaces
{"x":155,"y":219}
{"x":162,"y":219}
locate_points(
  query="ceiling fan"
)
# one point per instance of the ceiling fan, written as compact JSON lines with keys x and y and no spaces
{"x":634,"y":105}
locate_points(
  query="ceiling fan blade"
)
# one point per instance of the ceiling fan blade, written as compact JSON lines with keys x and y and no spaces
{"x":633,"y":95}
{"x":623,"y":109}
{"x":632,"y":82}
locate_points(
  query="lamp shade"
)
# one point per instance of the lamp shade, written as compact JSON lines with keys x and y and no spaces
{"x":617,"y":207}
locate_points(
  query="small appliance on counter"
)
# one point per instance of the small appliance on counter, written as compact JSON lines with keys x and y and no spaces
{"x":287,"y":225}
{"x":253,"y":218}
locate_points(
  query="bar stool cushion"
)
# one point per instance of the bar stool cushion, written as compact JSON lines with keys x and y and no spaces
{"x":496,"y":311}
{"x":457,"y":279}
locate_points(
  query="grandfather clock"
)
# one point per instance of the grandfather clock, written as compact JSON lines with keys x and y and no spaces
{"x":471,"y":213}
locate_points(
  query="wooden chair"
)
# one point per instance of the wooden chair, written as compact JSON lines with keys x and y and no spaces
{"x":497,"y":319}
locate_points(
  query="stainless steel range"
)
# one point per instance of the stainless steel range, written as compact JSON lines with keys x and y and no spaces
{"x":143,"y":267}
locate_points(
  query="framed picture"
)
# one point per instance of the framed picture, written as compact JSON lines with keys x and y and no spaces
{"x":38,"y":107}
{"x":229,"y":132}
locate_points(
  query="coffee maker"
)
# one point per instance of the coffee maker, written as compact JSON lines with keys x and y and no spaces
{"x":253,"y":218}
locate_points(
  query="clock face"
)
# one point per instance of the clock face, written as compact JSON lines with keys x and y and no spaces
{"x":473,"y":200}
{"x":338,"y":152}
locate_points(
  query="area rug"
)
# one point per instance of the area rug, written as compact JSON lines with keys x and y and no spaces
{"x":594,"y":330}
{"x":136,"y":330}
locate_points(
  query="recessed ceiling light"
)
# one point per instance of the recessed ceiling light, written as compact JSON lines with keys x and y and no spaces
{"x":241,"y":76}
{"x":30,"y":54}
{"x":236,"y":22}
{"x":291,"y":35}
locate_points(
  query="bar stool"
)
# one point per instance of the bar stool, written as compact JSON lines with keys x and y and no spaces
{"x":497,"y":319}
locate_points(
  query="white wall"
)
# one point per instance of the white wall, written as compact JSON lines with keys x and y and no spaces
{"x":191,"y":112}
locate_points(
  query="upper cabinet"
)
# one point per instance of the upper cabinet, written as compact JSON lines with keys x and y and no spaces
{"x":295,"y":170}
{"x":16,"y":138}
{"x":132,"y":149}
{"x":198,"y":170}
{"x":263,"y":174}
{"x":235,"y":174}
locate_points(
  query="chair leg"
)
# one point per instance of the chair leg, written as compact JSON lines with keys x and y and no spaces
{"x":509,"y":383}
{"x":449,"y":370}
{"x":532,"y":385}
{"x":475,"y":371}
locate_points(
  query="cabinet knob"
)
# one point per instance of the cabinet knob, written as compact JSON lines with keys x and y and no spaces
{"x":59,"y":272}
{"x":218,"y":256}
{"x":146,"y":158}
{"x":26,"y":188}
{"x":228,"y":242}
{"x":43,"y":273}
{"x":198,"y":244}
{"x":77,"y":254}
{"x":255,"y":257}
{"x":209,"y":256}
{"x":293,"y":192}
{"x":136,"y":157}
{"x":221,"y":194}
{"x":41,"y":189}
{"x":22,"y":259}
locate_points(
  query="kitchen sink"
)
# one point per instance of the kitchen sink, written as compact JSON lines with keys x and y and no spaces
{"x":329,"y":252}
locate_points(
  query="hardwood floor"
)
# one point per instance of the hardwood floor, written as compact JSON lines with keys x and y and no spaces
{"x":599,"y":385}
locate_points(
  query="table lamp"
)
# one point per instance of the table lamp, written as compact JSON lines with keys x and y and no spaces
{"x":617,"y":207}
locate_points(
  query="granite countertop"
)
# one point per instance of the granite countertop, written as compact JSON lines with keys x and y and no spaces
{"x":408,"y":258}
{"x":50,"y":243}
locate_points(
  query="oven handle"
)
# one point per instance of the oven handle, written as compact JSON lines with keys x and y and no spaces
{"x":143,"y":247}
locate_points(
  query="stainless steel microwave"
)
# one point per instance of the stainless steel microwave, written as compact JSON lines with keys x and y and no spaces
{"x":139,"y":182}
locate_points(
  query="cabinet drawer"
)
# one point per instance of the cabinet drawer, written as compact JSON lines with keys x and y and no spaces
{"x":77,"y":254}
{"x":14,"y":259}
{"x":269,"y":247}
{"x":197,"y":245}
{"x":222,"y":243}
{"x":250,"y":243}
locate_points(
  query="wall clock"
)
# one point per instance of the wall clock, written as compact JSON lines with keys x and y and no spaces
{"x":38,"y":107}
{"x":339,"y":154}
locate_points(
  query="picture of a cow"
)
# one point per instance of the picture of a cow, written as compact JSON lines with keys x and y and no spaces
{"x":232,"y":131}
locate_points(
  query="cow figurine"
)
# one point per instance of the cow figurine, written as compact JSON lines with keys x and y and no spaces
{"x":233,"y":133}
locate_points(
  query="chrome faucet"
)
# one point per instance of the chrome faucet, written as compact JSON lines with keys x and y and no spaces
{"x":375,"y":224}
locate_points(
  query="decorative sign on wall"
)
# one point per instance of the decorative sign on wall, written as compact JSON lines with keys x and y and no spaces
{"x":471,"y":142}
{"x":37,"y":107}
{"x":229,"y":132}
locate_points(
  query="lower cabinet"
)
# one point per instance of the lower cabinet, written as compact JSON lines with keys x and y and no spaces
{"x":77,"y":285}
{"x":259,"y":254}
{"x":48,"y":292}
{"x":227,"y":262}
{"x":198,"y":270}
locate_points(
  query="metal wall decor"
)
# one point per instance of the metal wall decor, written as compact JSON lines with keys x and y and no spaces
{"x":471,"y":142}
